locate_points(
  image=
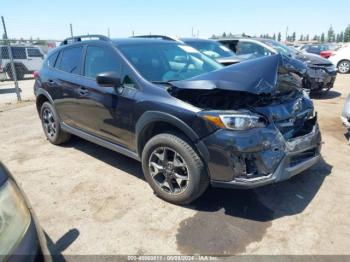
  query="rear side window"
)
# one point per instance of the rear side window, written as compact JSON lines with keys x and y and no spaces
{"x":17,"y":53}
{"x":34,"y":52}
{"x":99,"y":60}
{"x":51,"y":60}
{"x":4,"y":53}
{"x":70,"y":60}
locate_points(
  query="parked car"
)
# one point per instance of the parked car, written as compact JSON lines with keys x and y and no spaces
{"x":345,"y":116}
{"x":21,"y":238}
{"x":327,"y":53}
{"x":189,"y":120}
{"x":317,"y":49}
{"x":321,"y":72}
{"x":215,"y":50}
{"x":341,"y":58}
{"x":211,"y":48}
{"x":27,"y":59}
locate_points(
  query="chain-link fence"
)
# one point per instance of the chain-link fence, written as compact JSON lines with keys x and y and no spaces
{"x":19,"y":59}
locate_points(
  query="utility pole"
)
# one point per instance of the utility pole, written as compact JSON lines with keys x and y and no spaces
{"x":192,"y":33}
{"x":71,"y":30}
{"x":14,"y":75}
{"x":133,"y":33}
{"x":286,"y":34}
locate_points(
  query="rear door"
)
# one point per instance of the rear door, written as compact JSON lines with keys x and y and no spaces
{"x":34,"y":59}
{"x":65,"y":84}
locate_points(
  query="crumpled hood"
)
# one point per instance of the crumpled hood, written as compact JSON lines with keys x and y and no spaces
{"x":233,"y":59}
{"x":257,"y":76}
{"x":312,"y":59}
{"x":229,"y":60}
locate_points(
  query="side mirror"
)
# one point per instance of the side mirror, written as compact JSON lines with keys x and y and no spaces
{"x":108,"y":79}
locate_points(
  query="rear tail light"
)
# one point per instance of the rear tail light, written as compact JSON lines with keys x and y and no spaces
{"x":36,"y":74}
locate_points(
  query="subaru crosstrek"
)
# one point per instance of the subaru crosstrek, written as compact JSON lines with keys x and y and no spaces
{"x":189,"y":120}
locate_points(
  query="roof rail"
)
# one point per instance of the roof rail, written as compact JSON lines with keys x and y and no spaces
{"x":80,"y":38}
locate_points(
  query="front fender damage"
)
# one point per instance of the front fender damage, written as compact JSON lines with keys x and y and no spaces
{"x":272,"y":88}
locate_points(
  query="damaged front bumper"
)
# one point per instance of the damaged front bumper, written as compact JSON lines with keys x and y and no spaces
{"x":320,"y":78}
{"x":260,"y":156}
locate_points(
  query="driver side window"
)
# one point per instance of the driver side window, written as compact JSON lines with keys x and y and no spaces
{"x":99,"y":60}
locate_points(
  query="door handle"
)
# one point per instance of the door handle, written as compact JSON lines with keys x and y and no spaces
{"x":83,"y":91}
{"x":51,"y":83}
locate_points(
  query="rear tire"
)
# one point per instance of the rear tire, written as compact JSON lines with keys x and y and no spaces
{"x":344,"y":67}
{"x":51,"y":125}
{"x":174,"y":169}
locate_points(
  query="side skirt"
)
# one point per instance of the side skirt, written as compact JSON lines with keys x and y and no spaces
{"x":100,"y":141}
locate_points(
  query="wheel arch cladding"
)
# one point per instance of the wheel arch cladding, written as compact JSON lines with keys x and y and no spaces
{"x":343,"y":60}
{"x":152,"y":123}
{"x":41,"y":97}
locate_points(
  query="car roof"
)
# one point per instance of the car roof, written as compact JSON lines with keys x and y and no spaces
{"x":141,"y":41}
{"x":193,"y":39}
{"x":244,"y":38}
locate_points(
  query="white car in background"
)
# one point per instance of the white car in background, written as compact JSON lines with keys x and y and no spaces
{"x":341,"y":59}
{"x":27,"y":59}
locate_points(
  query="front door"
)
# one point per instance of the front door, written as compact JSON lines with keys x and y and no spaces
{"x":106,"y":111}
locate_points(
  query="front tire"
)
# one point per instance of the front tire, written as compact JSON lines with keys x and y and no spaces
{"x":344,"y":67}
{"x":174,"y":169}
{"x":51,"y":125}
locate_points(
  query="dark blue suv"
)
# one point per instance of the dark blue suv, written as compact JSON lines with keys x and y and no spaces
{"x":189,"y":120}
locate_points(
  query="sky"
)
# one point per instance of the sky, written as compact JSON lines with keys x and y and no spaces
{"x":51,"y":19}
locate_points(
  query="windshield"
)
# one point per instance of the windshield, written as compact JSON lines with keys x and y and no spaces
{"x":211,"y":49}
{"x":164,"y":62}
{"x":281,"y":48}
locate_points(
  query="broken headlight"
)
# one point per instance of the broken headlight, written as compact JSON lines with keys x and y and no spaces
{"x":236,"y":122}
{"x":14,"y":217}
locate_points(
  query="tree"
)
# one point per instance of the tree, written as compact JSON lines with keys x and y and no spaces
{"x":301,"y":38}
{"x":307,"y":38}
{"x":224,"y":35}
{"x":330,"y":34}
{"x":341,"y":37}
{"x":322,"y":38}
{"x":294,"y":37}
{"x":279,"y":37}
{"x":347,"y":34}
{"x":274,"y":37}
